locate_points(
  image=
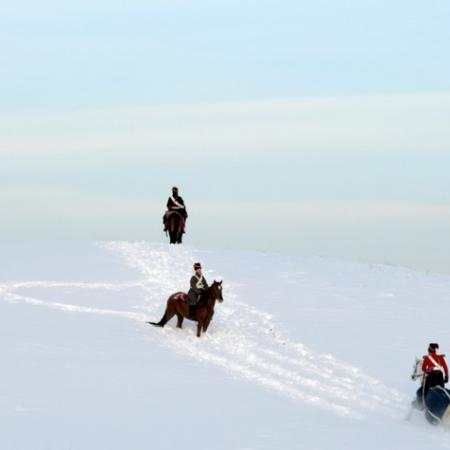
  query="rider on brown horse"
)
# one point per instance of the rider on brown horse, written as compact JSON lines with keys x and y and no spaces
{"x":175,"y":204}
{"x":198,"y":285}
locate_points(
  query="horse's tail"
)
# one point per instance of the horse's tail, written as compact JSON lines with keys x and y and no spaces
{"x":162,"y":322}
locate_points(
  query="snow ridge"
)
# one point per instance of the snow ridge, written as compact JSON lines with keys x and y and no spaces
{"x":242,"y":339}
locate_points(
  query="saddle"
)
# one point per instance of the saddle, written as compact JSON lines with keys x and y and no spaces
{"x":171,"y":212}
{"x":192,"y":308}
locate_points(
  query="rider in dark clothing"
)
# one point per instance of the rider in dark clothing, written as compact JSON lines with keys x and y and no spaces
{"x":198,"y":285}
{"x":175,"y":203}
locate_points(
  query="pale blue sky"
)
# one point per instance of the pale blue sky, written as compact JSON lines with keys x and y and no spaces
{"x":95,"y":54}
{"x":335,"y":113}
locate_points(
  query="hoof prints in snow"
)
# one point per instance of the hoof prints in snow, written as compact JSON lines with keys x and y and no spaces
{"x":242,"y":339}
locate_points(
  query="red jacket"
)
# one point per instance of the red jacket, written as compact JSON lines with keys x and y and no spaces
{"x":428,"y":366}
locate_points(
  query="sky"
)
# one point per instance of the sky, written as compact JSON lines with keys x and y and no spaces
{"x":309,"y":127}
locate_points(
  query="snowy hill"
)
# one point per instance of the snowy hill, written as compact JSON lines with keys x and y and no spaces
{"x":304,"y":353}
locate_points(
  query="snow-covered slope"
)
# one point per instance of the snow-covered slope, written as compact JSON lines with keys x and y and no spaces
{"x":303,"y":353}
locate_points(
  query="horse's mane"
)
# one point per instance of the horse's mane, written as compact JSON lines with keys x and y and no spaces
{"x":204,"y":296}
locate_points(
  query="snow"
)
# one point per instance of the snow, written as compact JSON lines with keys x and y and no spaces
{"x":304,"y":353}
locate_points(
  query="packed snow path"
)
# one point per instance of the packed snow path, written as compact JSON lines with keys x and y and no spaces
{"x":242,"y":339}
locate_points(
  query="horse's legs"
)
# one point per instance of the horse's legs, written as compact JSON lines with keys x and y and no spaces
{"x":179,"y":230}
{"x":199,"y":328}
{"x":180,"y":320}
{"x":207,"y":322}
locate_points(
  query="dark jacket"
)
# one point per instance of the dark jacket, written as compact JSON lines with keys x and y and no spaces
{"x":197,"y":287}
{"x":172,"y":206}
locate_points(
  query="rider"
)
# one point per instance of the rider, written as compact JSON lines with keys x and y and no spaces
{"x":175,"y":203}
{"x":198,"y":285}
{"x":432,"y":363}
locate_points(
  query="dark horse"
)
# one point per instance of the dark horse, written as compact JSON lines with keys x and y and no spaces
{"x":201,"y":313}
{"x":175,"y":226}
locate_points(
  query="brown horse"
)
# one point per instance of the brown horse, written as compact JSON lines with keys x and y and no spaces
{"x":175,"y":226}
{"x":201,"y":313}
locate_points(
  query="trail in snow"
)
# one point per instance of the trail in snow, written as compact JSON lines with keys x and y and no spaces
{"x":242,"y":339}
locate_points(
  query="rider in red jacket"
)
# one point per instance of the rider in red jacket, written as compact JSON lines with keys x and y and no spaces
{"x":433,"y":361}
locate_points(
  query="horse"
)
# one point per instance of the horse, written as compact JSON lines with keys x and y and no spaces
{"x":175,"y":223}
{"x":417,"y":369}
{"x":202,"y":312}
{"x":431,"y":397}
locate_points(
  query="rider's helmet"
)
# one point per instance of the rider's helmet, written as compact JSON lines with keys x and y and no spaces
{"x":197,"y":265}
{"x":433,"y":347}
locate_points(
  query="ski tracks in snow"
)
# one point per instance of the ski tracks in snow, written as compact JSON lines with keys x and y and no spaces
{"x":242,"y":340}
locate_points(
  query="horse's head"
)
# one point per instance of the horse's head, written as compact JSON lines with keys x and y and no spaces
{"x":417,"y":369}
{"x":216,"y":290}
